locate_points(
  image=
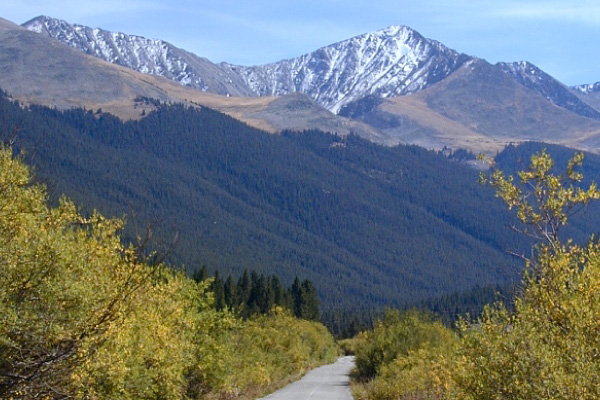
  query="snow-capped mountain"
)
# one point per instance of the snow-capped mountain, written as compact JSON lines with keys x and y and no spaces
{"x":387,"y":63}
{"x":589,"y":93}
{"x":456,"y":101}
{"x":534,"y":78}
{"x":390,"y":62}
{"x":588,"y":89}
{"x":148,"y":56}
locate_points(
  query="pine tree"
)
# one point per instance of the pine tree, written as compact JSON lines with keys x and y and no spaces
{"x":244,"y":286}
{"x":296,"y":294}
{"x":219,"y":292}
{"x":201,"y":274}
{"x":277,"y":291}
{"x":230,"y":293}
{"x":310,"y":301}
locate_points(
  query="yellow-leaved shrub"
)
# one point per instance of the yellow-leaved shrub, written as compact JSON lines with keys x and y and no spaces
{"x":546,"y":347}
{"x":405,"y":357}
{"x":82,"y":317}
{"x":271,"y":348}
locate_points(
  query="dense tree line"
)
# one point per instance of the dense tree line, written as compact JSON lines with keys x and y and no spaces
{"x":369,"y":225}
{"x":449,"y":308}
{"x":254,"y":294}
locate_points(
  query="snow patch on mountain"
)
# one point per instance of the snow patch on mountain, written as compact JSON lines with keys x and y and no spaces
{"x":588,"y":88}
{"x":148,"y":56}
{"x":390,"y":62}
{"x":534,"y":78}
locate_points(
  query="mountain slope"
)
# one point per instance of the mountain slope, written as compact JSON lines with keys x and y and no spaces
{"x":456,"y":100}
{"x":370,"y":225}
{"x":479,"y":107}
{"x":590,"y":93}
{"x":390,"y":62}
{"x":39,"y":70}
{"x":534,"y":78}
{"x":387,"y":63}
{"x":148,"y":56}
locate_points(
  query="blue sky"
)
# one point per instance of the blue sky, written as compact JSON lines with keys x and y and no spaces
{"x":561,"y":37}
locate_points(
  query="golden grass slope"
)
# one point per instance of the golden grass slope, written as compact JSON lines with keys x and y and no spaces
{"x":38,"y":70}
{"x":482,"y":109}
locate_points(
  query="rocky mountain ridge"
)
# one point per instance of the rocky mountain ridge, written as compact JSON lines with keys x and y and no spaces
{"x":391,"y":86}
{"x":391,"y":62}
{"x":534,"y":78}
{"x":589,"y":88}
{"x":148,"y":56}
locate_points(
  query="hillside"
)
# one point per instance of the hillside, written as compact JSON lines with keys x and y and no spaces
{"x":389,"y":62}
{"x":148,"y":56}
{"x":370,"y":225}
{"x":39,"y":70}
{"x":392,"y":86}
{"x":479,"y":107}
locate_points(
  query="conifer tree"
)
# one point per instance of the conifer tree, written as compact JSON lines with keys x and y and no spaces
{"x":278,"y":292}
{"x":296,"y":294}
{"x":201,"y":274}
{"x":230,"y":293}
{"x":310,"y":301}
{"x":219,"y":291}
{"x":244,"y":286}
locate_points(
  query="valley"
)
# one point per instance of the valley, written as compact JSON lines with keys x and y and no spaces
{"x":331,"y":208}
{"x":171,"y":227}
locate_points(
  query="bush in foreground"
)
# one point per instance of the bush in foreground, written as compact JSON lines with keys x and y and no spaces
{"x":81,"y":316}
{"x":548,"y":347}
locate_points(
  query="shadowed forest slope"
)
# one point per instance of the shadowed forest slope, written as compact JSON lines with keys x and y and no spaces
{"x":370,"y":225}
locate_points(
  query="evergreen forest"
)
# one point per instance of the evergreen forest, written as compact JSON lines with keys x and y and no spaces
{"x":255,"y":294}
{"x":544,"y":345}
{"x":108,"y":230}
{"x":369,"y":226}
{"x":83,"y":315}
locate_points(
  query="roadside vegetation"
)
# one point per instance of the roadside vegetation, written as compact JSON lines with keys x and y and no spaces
{"x":546,"y":346}
{"x":84,"y":316}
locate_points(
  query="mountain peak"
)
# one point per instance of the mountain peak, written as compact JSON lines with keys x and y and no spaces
{"x":394,"y":30}
{"x":42,"y":23}
{"x":149,"y":56}
{"x":534,"y":78}
{"x":393,"y":61}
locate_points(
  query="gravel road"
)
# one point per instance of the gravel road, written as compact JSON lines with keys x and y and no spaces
{"x":330,"y":382}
